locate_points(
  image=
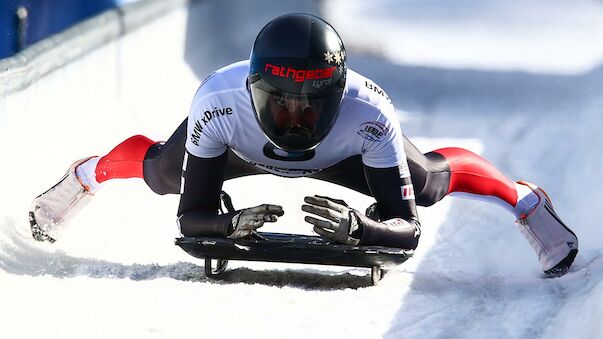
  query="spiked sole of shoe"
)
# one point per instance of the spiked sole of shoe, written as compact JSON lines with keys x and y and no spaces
{"x":37,"y":232}
{"x":563,"y":266}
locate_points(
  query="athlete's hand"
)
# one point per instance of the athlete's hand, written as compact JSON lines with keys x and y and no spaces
{"x":250,"y":219}
{"x":341,"y":219}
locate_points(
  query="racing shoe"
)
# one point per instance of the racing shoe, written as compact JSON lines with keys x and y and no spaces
{"x":51,"y":211}
{"x":554,"y":243}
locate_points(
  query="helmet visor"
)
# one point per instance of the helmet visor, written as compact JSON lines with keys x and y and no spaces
{"x":294,"y":122}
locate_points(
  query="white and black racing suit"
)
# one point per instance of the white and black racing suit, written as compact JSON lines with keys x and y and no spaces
{"x":364,"y":151}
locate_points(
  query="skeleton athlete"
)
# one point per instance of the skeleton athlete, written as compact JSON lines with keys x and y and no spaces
{"x":295,"y":109}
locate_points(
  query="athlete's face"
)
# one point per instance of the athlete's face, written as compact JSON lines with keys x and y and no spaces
{"x":291,"y":111}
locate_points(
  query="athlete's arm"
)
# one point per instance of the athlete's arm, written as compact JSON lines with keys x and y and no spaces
{"x":202,"y":180}
{"x":200,"y":198}
{"x":394,"y":224}
{"x":398,"y":222}
{"x":205,"y":164}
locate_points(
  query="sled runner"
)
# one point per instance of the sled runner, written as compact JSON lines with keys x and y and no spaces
{"x":290,"y":248}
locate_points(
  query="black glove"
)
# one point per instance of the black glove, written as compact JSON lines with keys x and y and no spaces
{"x":341,"y":222}
{"x":346,"y":225}
{"x":250,"y":219}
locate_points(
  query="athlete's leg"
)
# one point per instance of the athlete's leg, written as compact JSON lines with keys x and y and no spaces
{"x":430,"y":175}
{"x":162,"y":169}
{"x":159,"y":164}
{"x":124,"y":161}
{"x":52,"y":209}
{"x":469,"y":174}
{"x":458,"y":171}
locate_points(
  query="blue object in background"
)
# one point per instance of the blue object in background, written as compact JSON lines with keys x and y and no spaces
{"x":40,"y":19}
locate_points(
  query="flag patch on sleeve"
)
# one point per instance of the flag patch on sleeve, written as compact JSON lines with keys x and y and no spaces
{"x":408,"y":193}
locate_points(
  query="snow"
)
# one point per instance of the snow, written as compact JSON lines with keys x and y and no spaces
{"x":518,"y":82}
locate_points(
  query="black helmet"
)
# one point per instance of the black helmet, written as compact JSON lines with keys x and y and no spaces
{"x":296,"y":79}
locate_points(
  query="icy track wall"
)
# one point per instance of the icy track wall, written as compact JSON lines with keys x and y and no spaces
{"x":134,"y":84}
